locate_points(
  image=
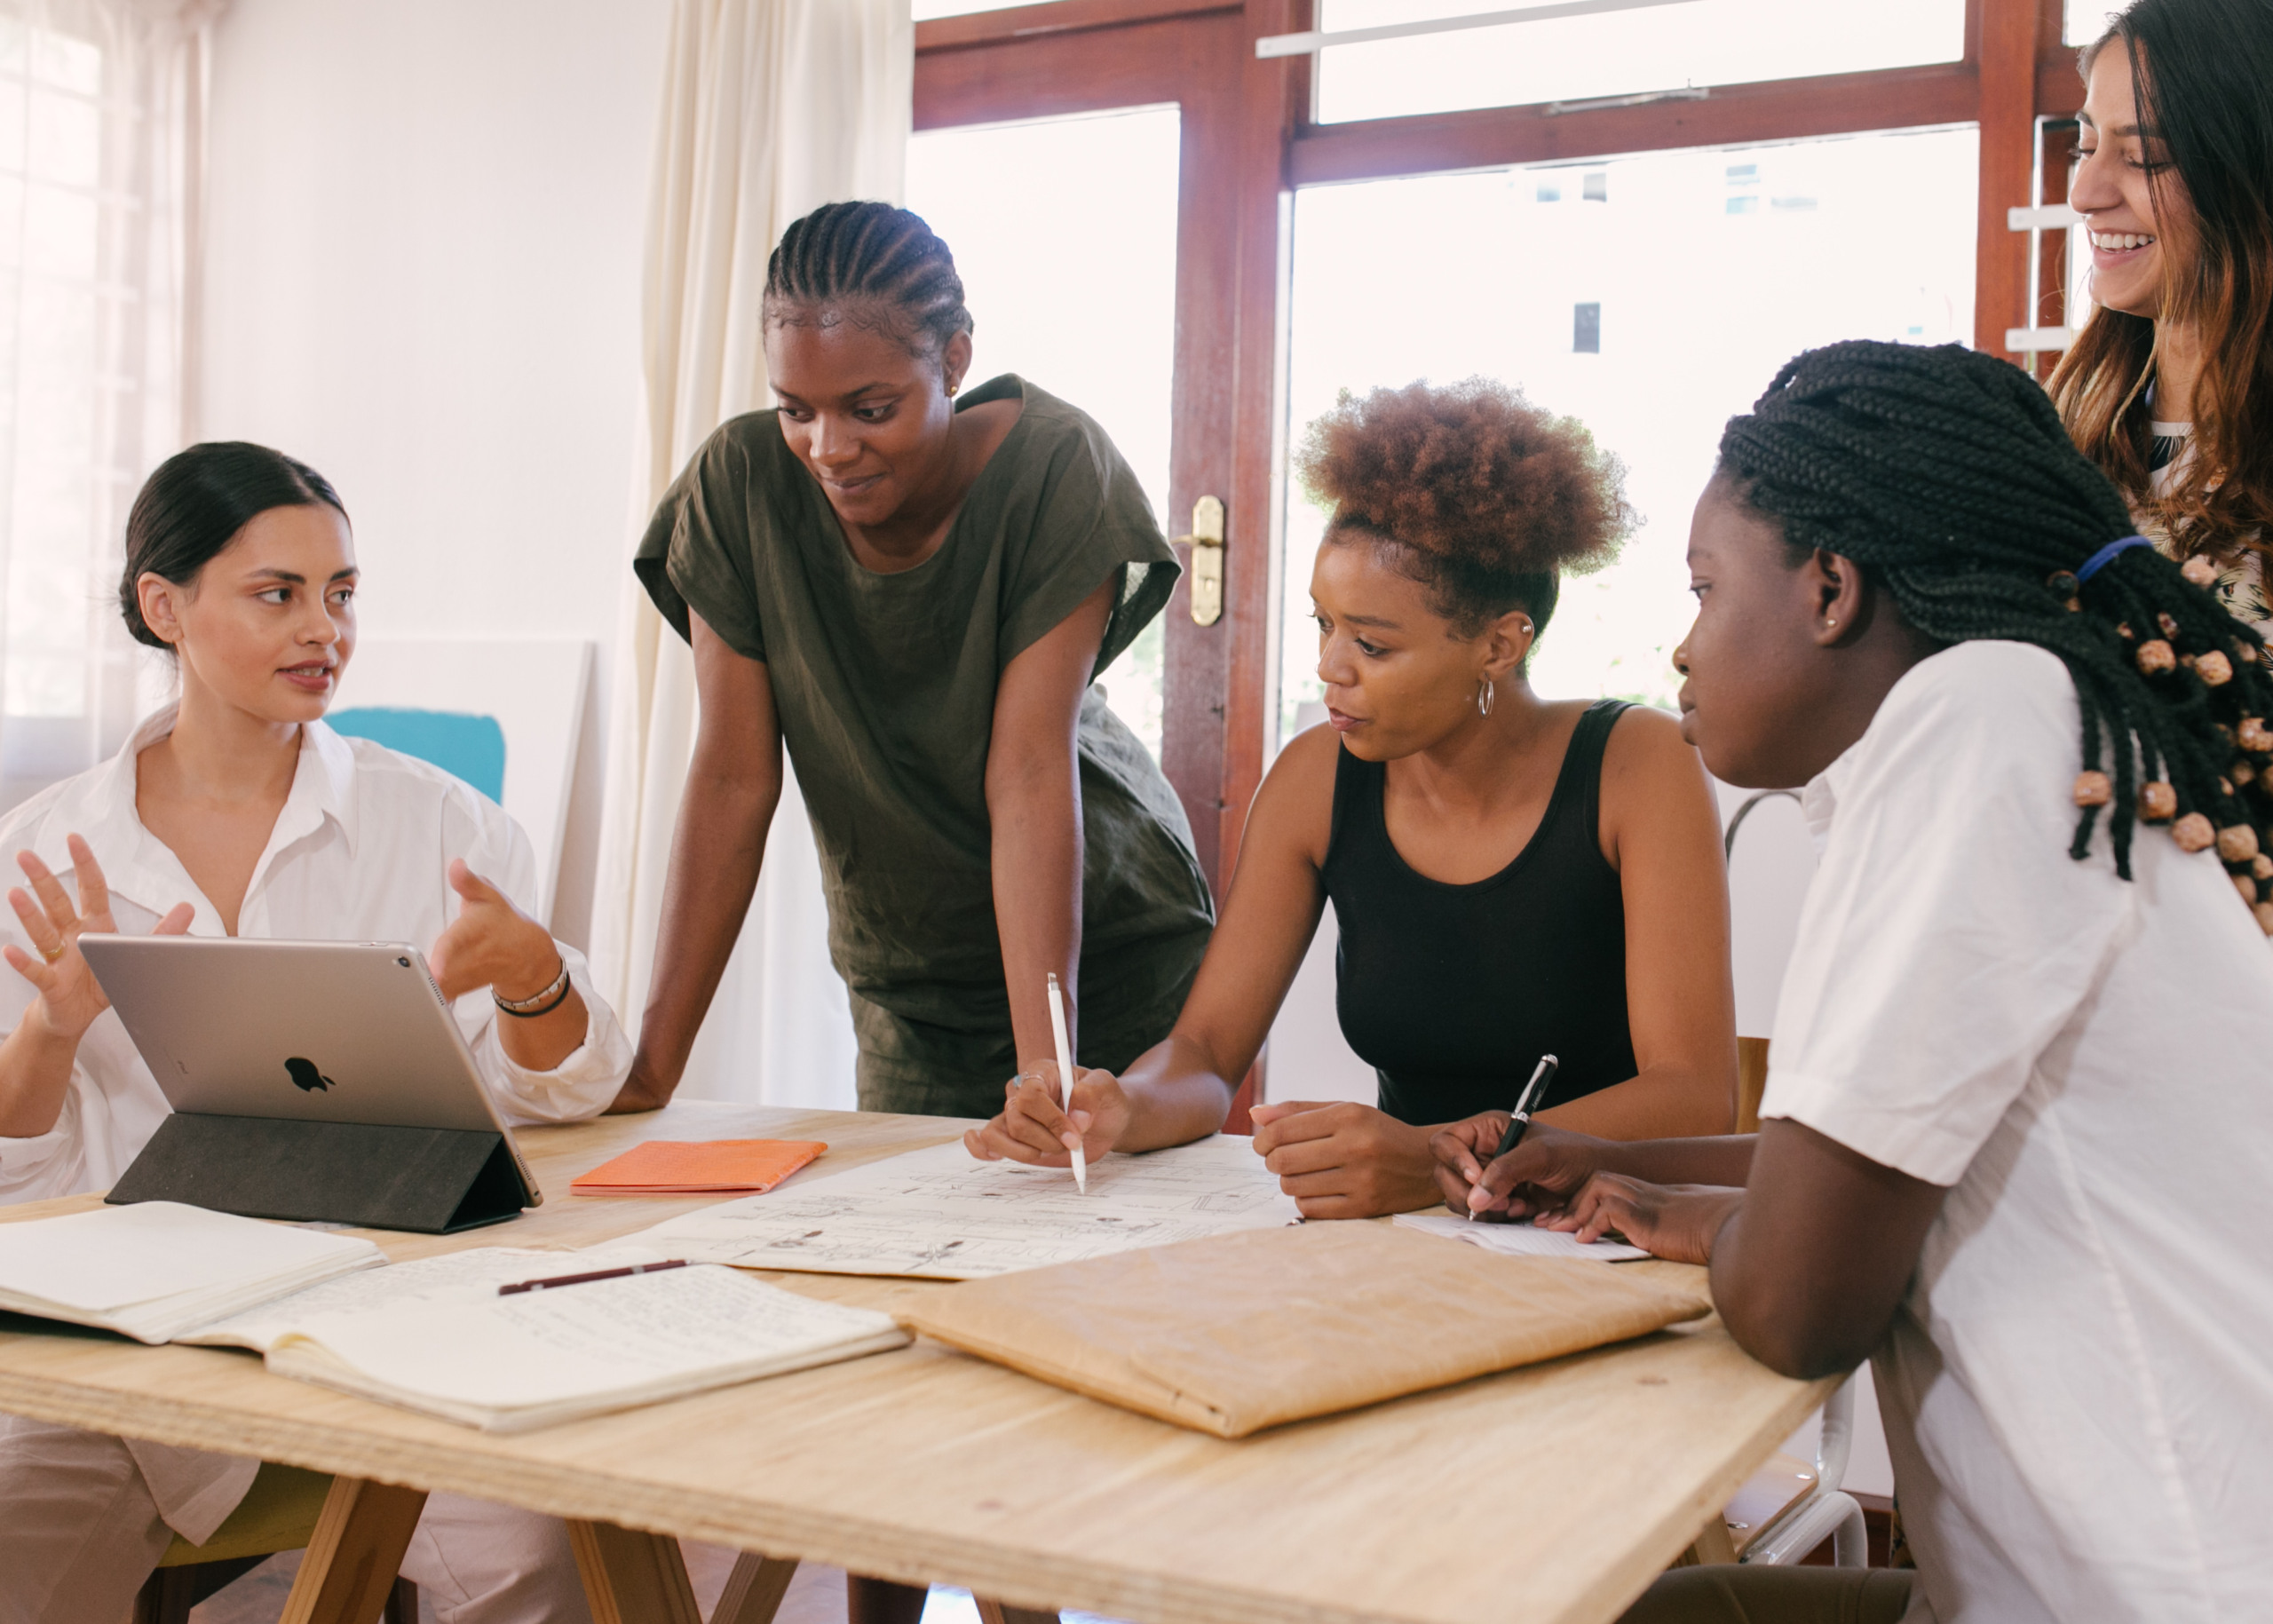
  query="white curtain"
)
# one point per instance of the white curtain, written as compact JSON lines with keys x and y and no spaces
{"x":100,"y":121}
{"x":771,"y":108}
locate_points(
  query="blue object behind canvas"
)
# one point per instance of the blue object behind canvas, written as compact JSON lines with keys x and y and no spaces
{"x":470,"y":746}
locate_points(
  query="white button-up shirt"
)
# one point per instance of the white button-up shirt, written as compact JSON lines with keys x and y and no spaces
{"x":2077,"y":1388}
{"x":360,"y":853}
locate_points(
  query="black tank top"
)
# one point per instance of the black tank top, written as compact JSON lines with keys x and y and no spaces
{"x":1451,"y":993}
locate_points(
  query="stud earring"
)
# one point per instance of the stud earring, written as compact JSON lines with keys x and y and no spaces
{"x":1830,"y":622}
{"x":951,"y":389}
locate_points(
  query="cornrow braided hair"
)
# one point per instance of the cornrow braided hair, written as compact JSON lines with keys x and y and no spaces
{"x":872,"y":255}
{"x":1945,"y":475}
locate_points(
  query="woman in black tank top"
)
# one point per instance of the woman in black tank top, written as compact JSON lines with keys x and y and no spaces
{"x":1512,"y":877}
{"x":1445,"y":989}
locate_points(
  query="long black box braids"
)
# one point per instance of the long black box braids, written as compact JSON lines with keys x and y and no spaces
{"x":1945,"y":474}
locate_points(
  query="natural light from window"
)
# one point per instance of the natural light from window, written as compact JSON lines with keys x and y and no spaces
{"x":51,"y":153}
{"x":2088,"y":19}
{"x":1065,"y":233}
{"x":1652,"y":297}
{"x":1683,"y":43}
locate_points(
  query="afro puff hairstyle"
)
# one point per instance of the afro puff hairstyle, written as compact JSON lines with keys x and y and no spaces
{"x":1484,"y":498}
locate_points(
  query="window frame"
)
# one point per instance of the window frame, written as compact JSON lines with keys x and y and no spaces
{"x":1251,"y":142}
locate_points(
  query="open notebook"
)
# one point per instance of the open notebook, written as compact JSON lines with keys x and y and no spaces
{"x":156,"y":1270}
{"x":452,"y":1276}
{"x":510,"y":1364}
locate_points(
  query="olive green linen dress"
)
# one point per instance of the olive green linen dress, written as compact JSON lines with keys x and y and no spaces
{"x":886,"y":687}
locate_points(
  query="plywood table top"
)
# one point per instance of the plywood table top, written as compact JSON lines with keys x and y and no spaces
{"x":1551,"y":1494}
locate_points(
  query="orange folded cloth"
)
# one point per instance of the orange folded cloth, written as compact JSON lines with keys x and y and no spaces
{"x":1240,"y":1332}
{"x":664,"y":1167}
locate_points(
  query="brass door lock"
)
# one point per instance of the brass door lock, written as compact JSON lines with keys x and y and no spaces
{"x":1206,"y":543}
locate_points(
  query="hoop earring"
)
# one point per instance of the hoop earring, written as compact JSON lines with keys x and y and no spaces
{"x":1484,"y":692}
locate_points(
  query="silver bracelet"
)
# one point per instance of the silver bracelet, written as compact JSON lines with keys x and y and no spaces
{"x":543,"y":1003}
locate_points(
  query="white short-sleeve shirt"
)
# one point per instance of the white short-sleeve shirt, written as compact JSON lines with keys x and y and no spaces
{"x":2077,"y":1388}
{"x":360,"y":853}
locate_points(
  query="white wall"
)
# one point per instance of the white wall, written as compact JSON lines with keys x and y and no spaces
{"x":423,"y":270}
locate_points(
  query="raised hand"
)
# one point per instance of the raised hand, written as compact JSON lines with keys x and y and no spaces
{"x":1036,"y":1128}
{"x":70,"y":998}
{"x":491,"y":944}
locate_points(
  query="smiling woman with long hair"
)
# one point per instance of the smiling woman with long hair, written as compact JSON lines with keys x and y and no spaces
{"x":2169,"y":385}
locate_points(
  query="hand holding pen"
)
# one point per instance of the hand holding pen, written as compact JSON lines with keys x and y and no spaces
{"x":1461,"y":1150}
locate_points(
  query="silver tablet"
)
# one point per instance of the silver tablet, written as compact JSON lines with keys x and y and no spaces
{"x":323,"y":1031}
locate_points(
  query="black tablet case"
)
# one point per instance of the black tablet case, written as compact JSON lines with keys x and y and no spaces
{"x":435,"y":1181}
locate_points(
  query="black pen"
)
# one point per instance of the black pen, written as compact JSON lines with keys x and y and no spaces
{"x":1521,"y":1120}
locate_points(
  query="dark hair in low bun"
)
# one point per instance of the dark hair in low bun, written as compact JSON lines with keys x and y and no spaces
{"x":1486,"y":499}
{"x":195,"y":504}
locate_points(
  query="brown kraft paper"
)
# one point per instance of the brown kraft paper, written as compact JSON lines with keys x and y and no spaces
{"x":1239,"y":1332}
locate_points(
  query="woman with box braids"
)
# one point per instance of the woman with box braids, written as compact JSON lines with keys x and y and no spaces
{"x":1946,"y":475}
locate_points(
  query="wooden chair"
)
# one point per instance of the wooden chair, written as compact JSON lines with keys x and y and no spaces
{"x":279,"y":1513}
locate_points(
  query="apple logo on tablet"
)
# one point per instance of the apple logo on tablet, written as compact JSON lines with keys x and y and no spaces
{"x":305,"y":1075}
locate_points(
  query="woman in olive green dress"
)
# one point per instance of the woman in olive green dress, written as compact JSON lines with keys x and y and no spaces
{"x":914,"y":591}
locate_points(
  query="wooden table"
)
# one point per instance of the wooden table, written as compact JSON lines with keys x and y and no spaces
{"x":1551,"y":1494}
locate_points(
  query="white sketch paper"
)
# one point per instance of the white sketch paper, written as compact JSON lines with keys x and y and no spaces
{"x":1518,"y":1239}
{"x":941,"y":1213}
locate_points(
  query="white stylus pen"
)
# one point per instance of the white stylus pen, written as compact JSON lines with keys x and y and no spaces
{"x":1065,"y":1078}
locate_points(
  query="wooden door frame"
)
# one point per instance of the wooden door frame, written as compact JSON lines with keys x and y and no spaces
{"x":1081,"y":56}
{"x":1249,"y":141}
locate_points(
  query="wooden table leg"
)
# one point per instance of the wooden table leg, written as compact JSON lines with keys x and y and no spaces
{"x":996,"y":1612}
{"x":754,"y":1589}
{"x":348,"y":1571}
{"x":1713,"y":1546}
{"x":632,"y":1578}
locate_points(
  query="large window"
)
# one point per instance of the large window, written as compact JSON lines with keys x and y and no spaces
{"x":51,"y":164}
{"x":1650,"y":297}
{"x":1065,"y":233}
{"x":1667,"y":45}
{"x":1636,"y":214}
{"x":92,"y":118}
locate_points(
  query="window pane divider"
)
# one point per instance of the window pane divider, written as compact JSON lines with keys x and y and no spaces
{"x":1313,"y":41}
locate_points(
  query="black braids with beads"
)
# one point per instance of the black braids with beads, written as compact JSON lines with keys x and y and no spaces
{"x":1947,"y":476}
{"x":871,"y":255}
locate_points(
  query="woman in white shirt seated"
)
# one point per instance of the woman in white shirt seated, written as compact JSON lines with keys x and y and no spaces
{"x":237,"y":811}
{"x":2016,"y":1111}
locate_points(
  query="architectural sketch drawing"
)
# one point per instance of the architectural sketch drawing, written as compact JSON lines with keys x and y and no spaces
{"x":939,"y":1214}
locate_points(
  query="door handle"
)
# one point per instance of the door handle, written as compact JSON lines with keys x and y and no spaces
{"x":1206,"y":543}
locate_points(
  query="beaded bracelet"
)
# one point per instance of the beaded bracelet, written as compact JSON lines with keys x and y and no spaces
{"x":544,"y":1003}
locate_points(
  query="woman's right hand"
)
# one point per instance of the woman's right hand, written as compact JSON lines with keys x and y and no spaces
{"x":1540,"y":1175}
{"x":1035,"y":1129}
{"x":70,"y":999}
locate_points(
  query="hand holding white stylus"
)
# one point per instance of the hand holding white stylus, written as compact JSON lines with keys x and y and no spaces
{"x":1065,"y":1079}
